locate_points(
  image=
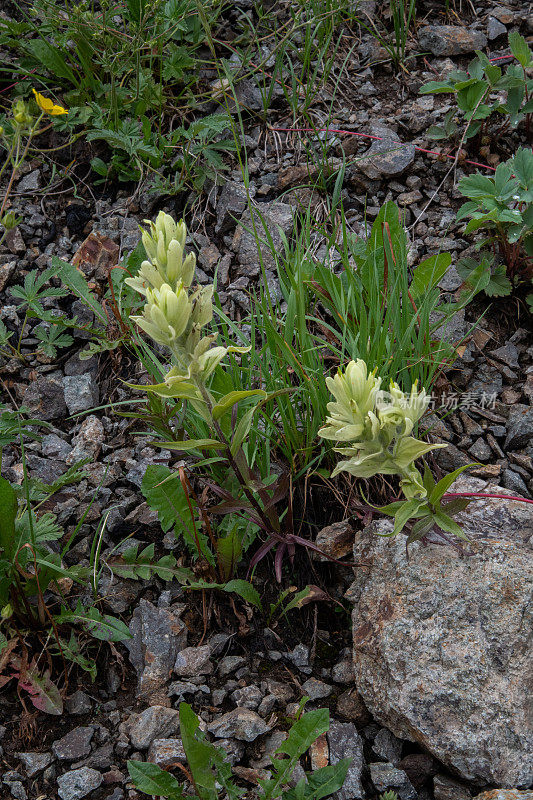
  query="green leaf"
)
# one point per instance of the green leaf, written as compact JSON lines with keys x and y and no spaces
{"x":499,"y":284}
{"x":429,"y":272}
{"x":449,"y":525}
{"x":151,"y":779}
{"x":193,"y":444}
{"x":408,"y":510}
{"x":321,"y":783}
{"x":230,"y":399}
{"x":74,"y":279}
{"x":245,"y":590}
{"x":101,"y":626}
{"x":304,"y":732}
{"x":444,"y":484}
{"x":520,"y":49}
{"x":164,"y":492}
{"x":9,"y":506}
{"x":200,"y":754}
{"x":52,"y":58}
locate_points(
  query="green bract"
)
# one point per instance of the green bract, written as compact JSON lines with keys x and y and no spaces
{"x":375,"y":426}
{"x":173,"y":316}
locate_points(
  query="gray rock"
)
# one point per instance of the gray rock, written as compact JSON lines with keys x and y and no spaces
{"x":512,"y":481}
{"x":495,"y":29}
{"x":342,"y":672}
{"x":247,"y":697}
{"x":450,"y":40}
{"x":300,"y":658}
{"x":451,"y":280}
{"x":17,"y":790}
{"x":158,"y":635}
{"x":345,"y":742}
{"x":508,"y":354}
{"x":35,"y":762}
{"x":46,"y":469}
{"x":505,"y":794}
{"x":55,"y":447}
{"x":385,"y":776}
{"x":519,"y":426}
{"x":445,"y":788}
{"x":240,"y":723}
{"x":194,"y":661}
{"x":480,"y":450}
{"x":45,"y":398}
{"x":234,"y":750}
{"x":316,"y":689}
{"x":446,"y":635}
{"x":230,"y":206}
{"x":387,"y":156}
{"x":156,"y":722}
{"x":387,"y":746}
{"x":74,"y":745}
{"x":81,"y":392}
{"x":78,"y":783}
{"x":167,"y":752}
{"x":30,"y":182}
{"x":229,"y":664}
{"x":270,"y":219}
{"x":88,"y":440}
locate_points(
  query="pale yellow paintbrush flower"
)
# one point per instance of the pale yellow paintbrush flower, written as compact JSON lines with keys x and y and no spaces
{"x":48,"y":106}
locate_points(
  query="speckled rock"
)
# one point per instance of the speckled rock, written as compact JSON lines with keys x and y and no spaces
{"x":275,"y":217}
{"x":386,"y":156}
{"x":442,"y":642}
{"x":450,"y":40}
{"x":78,"y":783}
{"x":240,"y":723}
{"x":156,"y":722}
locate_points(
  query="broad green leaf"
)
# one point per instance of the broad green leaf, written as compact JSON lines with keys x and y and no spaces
{"x":101,"y":626}
{"x":520,"y":48}
{"x":164,"y":492}
{"x":200,"y":754}
{"x":230,"y":399}
{"x":245,"y":590}
{"x":403,"y":515}
{"x":322,"y":782}
{"x":449,"y":525}
{"x":9,"y":506}
{"x":151,"y":779}
{"x":178,"y":390}
{"x":409,"y":449}
{"x":429,"y":272}
{"x":52,"y":58}
{"x":304,"y":732}
{"x":499,"y":284}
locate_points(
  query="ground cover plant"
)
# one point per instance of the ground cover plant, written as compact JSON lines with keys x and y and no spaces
{"x":265,"y":374}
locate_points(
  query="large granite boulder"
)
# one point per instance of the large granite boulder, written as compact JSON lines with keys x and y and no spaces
{"x":443,"y":640}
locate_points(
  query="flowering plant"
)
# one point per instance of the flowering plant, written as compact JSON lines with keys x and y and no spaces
{"x":375,"y":427}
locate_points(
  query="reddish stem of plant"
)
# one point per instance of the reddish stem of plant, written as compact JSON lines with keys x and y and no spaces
{"x":450,"y":495}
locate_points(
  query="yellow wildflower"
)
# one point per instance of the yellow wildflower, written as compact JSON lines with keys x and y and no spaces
{"x":48,"y":106}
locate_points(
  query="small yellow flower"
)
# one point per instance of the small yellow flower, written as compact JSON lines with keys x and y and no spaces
{"x":48,"y":106}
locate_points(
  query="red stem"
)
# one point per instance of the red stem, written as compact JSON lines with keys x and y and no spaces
{"x":449,"y":495}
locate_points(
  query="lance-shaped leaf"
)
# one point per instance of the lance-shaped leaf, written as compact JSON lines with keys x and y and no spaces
{"x":230,"y":399}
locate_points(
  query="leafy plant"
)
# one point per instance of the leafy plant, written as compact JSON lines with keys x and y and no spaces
{"x":477,"y":91}
{"x":378,"y":311}
{"x":210,"y":773}
{"x":34,"y":580}
{"x":502,"y":204}
{"x":120,"y":68}
{"x":374,"y":429}
{"x":430,"y":513}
